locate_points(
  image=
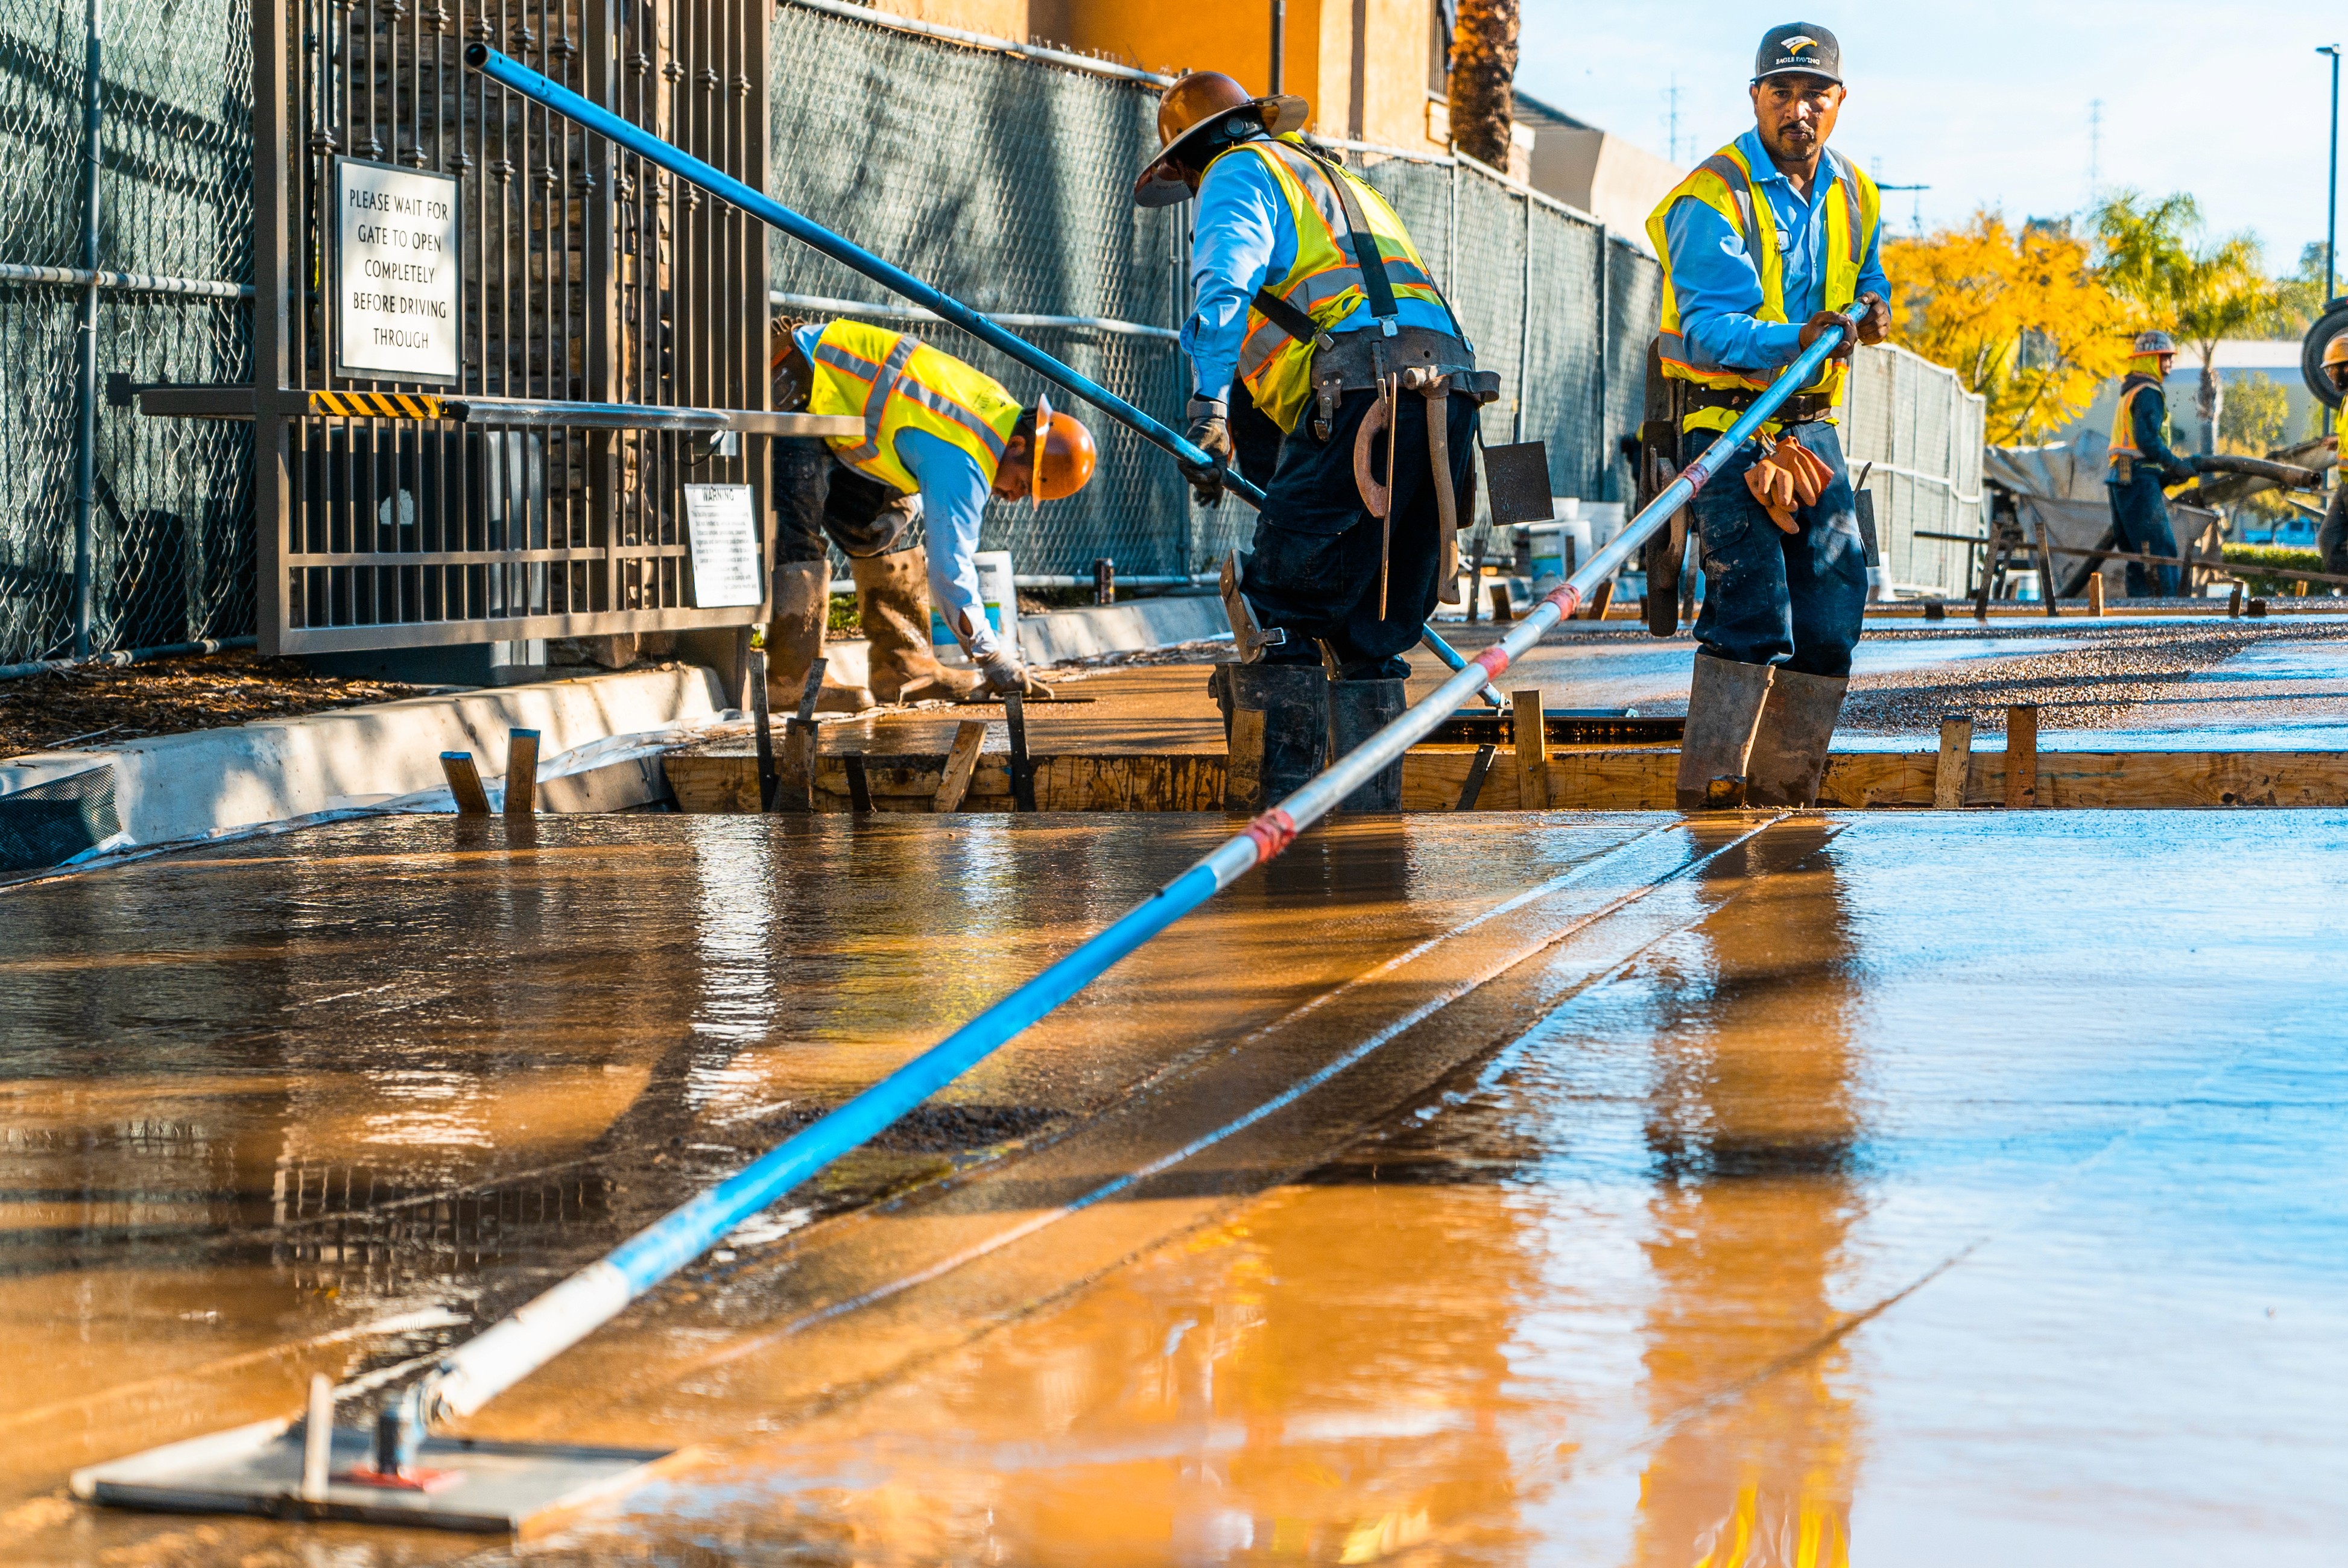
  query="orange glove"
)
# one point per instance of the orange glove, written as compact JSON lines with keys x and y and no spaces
{"x":1791,"y":475}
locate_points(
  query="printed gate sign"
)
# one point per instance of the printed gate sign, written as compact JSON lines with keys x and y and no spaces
{"x":399,"y":272}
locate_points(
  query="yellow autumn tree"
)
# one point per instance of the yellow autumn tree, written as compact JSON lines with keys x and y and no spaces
{"x":2019,"y":314}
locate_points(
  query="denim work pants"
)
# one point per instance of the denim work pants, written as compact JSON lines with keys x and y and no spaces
{"x":1772,"y":597}
{"x":1315,"y":568}
{"x":817,"y":497}
{"x":2140,"y":521}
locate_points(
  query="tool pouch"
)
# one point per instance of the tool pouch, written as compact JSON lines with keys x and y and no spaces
{"x":1664,"y":555}
{"x":1358,"y":361}
{"x":2123,"y":469}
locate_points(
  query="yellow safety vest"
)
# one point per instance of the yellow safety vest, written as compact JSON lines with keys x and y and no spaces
{"x":893,"y":381}
{"x":1724,"y":183}
{"x":1323,"y":282}
{"x":2123,"y":443}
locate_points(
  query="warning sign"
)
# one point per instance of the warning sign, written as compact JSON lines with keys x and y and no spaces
{"x":721,"y":525}
{"x":399,"y":271}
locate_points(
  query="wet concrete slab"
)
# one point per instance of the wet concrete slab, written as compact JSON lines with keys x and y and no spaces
{"x":1522,"y":1190}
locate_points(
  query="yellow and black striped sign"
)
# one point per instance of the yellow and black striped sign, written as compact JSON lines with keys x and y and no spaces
{"x":378,"y":405}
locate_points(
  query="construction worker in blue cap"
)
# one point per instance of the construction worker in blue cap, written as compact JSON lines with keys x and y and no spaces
{"x":2139,"y":462}
{"x":1763,"y":245}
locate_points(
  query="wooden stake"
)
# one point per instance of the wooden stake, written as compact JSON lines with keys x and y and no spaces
{"x":859,"y":787}
{"x":970,"y":736}
{"x":795,"y":781}
{"x":2022,"y":754}
{"x":465,"y":783}
{"x":1956,"y":761}
{"x":521,"y":772}
{"x":1501,"y":613}
{"x":2094,"y":594}
{"x":2234,"y":602}
{"x":1531,"y":751}
{"x":1600,"y":601}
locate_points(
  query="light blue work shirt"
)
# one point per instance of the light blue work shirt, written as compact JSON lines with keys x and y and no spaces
{"x":1245,"y":234}
{"x":1718,"y":286}
{"x":953,"y":497}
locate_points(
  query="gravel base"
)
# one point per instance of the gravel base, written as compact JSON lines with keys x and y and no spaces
{"x":2114,"y":666}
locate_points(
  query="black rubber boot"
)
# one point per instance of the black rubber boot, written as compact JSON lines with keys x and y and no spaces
{"x":1280,"y":732}
{"x":1789,"y":754}
{"x":1358,"y":710}
{"x":1724,"y":702}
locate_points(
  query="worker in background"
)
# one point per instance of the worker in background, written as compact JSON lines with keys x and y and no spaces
{"x":2140,"y":462}
{"x":1763,"y":245}
{"x":939,"y":438}
{"x":1313,"y":307}
{"x":2332,"y":539}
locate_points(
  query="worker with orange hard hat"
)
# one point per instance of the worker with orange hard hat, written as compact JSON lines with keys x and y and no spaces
{"x":2332,"y":539}
{"x":2139,"y":462}
{"x":939,"y":439}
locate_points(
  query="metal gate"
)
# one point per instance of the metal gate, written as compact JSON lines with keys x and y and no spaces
{"x":501,"y":450}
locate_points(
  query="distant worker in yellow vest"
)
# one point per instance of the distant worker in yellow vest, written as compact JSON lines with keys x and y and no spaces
{"x":1762,"y":245}
{"x":2332,"y":539}
{"x":1309,"y":296}
{"x":939,"y":438}
{"x":2139,"y":462}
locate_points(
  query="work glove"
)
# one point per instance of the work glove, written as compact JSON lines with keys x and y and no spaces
{"x":1818,"y":325}
{"x":1790,"y":476}
{"x":1005,"y":673}
{"x":1211,"y":431}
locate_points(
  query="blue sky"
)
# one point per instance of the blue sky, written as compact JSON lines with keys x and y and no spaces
{"x":1987,"y":100}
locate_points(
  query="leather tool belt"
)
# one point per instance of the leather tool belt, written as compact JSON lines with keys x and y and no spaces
{"x":1360,"y":361}
{"x":1800,"y":410}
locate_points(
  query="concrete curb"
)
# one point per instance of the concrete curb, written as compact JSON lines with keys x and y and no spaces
{"x":179,"y":787}
{"x":1132,"y":627}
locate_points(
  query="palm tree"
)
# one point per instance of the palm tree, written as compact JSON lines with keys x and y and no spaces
{"x":2202,"y":292}
{"x":1483,"y":74}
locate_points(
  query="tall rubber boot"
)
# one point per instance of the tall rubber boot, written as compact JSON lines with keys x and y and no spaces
{"x":1358,"y":710}
{"x":1280,"y":732}
{"x":1724,"y":704}
{"x":892,"y":599}
{"x":795,"y":641}
{"x":1789,"y":754}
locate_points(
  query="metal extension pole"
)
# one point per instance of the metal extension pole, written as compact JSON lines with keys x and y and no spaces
{"x":517,"y":78}
{"x":2332,"y":187}
{"x":1279,"y":46}
{"x":477,"y":1371}
{"x":86,"y":387}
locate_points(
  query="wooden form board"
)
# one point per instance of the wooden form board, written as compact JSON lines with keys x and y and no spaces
{"x":1609,"y":779}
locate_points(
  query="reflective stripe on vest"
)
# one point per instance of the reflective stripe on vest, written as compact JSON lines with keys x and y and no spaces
{"x":1324,"y":280}
{"x":894,"y":382}
{"x":1724,"y":183}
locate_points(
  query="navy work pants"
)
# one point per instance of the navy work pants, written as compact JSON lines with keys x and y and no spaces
{"x":2140,"y":521}
{"x":818,"y":497}
{"x":1772,"y":597}
{"x":1315,"y":568}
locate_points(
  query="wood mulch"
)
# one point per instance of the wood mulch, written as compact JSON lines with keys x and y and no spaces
{"x":108,"y":705}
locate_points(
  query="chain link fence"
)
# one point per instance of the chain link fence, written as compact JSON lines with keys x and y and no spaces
{"x":171,"y":513}
{"x":1918,"y":433}
{"x":1004,"y":175}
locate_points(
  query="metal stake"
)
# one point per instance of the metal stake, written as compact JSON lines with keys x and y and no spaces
{"x":86,"y":391}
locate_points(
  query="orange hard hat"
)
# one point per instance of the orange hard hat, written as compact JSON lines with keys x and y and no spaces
{"x":2336,"y":351}
{"x":1193,"y":113}
{"x":1065,"y":455}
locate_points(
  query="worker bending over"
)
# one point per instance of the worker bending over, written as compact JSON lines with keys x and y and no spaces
{"x":1316,"y":324}
{"x":939,"y":438}
{"x":1763,"y":245}
{"x":2332,"y":539}
{"x":2140,"y":462}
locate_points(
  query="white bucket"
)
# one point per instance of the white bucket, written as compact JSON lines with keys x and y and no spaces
{"x":1605,"y":520}
{"x":996,"y":591}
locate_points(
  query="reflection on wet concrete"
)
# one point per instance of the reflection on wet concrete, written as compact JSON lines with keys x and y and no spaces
{"x":1834,"y":1191}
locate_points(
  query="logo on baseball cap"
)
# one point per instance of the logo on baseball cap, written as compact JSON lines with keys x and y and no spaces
{"x":1803,"y":46}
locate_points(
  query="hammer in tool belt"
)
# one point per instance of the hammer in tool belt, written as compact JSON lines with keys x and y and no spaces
{"x":1435,"y":386}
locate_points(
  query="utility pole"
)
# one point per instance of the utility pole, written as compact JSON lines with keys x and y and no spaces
{"x":1279,"y":46}
{"x":2332,"y":191}
{"x":1673,"y":99}
{"x":2094,"y":152}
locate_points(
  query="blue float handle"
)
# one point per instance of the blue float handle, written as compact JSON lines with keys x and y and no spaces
{"x":509,"y":72}
{"x":478,"y":1370}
